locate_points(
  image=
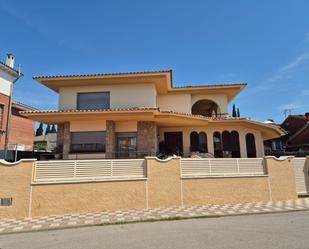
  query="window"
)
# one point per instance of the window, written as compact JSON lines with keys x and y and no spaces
{"x":6,"y":202}
{"x":93,"y":101}
{"x":250,"y":143}
{"x":194,"y":139}
{"x":217,"y":144}
{"x":235,"y":146}
{"x":91,"y":141}
{"x":202,"y":142}
{"x":198,"y":142}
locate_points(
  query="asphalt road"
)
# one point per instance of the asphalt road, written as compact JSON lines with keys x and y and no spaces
{"x":284,"y":231}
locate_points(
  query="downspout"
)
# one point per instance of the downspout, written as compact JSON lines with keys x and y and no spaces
{"x":8,"y":121}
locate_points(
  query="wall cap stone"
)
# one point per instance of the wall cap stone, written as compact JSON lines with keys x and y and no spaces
{"x":162,"y":160}
{"x":5,"y":163}
{"x":281,"y":158}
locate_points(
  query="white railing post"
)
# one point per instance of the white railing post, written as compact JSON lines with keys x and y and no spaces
{"x":74,"y":172}
{"x":111,"y":168}
{"x":237,"y":160}
{"x":210,"y":170}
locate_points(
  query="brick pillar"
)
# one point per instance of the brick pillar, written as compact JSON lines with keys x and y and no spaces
{"x":66,"y":141}
{"x":147,"y":138}
{"x":110,"y":139}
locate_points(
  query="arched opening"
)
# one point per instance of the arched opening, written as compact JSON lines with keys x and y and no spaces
{"x":206,"y":108}
{"x":194,"y":141}
{"x":235,"y":147}
{"x":202,"y":142}
{"x":217,"y":144}
{"x":250,"y":144}
{"x":226,"y":140}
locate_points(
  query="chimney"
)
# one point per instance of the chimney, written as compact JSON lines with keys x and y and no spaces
{"x":307,"y":116}
{"x":10,"y":60}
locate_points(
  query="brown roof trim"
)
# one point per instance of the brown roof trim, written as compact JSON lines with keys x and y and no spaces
{"x":141,"y":109}
{"x":214,"y":85}
{"x":100,"y":74}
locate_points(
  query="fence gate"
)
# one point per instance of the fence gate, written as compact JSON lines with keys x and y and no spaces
{"x":301,"y":170}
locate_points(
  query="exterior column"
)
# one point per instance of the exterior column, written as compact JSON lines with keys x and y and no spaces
{"x":147,"y":138}
{"x":66,"y":141}
{"x":210,"y":143}
{"x":110,"y":147}
{"x":242,"y":144}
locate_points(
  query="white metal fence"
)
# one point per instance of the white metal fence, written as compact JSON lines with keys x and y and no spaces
{"x":301,"y":175}
{"x":88,"y":170}
{"x":212,"y":167}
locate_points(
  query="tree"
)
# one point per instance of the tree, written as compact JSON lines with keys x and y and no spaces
{"x":238,"y":113}
{"x":39,"y":130}
{"x":234,"y":114}
{"x":53,"y":129}
{"x":47,"y":129}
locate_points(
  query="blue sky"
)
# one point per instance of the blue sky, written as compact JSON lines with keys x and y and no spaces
{"x":263,"y":43}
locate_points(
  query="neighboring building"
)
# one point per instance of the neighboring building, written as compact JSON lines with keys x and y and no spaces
{"x":128,"y":115}
{"x":46,"y":142}
{"x":297,"y":137}
{"x":21,"y":129}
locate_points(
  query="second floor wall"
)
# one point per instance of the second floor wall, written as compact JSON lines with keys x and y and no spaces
{"x":140,"y":95}
{"x":120,"y":96}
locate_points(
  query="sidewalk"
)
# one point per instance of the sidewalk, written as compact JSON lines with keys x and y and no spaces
{"x":76,"y":220}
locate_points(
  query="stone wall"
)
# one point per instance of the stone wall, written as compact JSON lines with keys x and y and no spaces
{"x":147,"y":138}
{"x":66,"y":141}
{"x":110,"y":146}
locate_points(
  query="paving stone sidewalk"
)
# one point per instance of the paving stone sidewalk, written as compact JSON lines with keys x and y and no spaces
{"x":134,"y":215}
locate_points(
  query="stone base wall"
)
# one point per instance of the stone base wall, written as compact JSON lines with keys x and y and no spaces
{"x":147,"y":138}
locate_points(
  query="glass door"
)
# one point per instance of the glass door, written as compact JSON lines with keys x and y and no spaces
{"x":126,"y":145}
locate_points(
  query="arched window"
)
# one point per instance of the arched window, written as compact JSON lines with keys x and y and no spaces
{"x":194,"y":141}
{"x":217,"y":144}
{"x":226,"y":140}
{"x":250,"y":143}
{"x":235,"y":147}
{"x":202,"y":142}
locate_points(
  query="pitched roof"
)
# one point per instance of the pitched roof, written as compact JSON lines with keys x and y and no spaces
{"x":22,"y":106}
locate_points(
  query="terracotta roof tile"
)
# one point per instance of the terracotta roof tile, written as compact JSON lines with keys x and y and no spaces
{"x":100,"y":74}
{"x":128,"y":110}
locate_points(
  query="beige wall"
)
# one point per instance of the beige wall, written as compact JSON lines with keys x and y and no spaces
{"x":88,"y":197}
{"x":88,"y":125}
{"x":175,"y":102}
{"x":121,"y":96}
{"x":184,"y":102}
{"x":186,"y":131}
{"x":281,"y":178}
{"x":225,"y":190}
{"x":15,"y":183}
{"x":163,"y":187}
{"x":126,"y":126}
{"x":163,"y":183}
